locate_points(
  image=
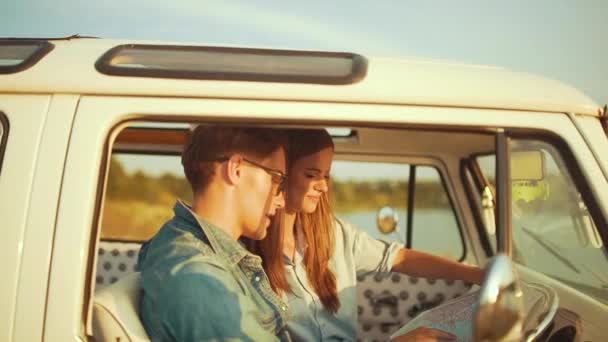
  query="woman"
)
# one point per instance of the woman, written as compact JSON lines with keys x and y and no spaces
{"x":313,"y":259}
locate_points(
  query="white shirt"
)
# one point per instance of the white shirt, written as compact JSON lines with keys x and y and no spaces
{"x":355,"y":253}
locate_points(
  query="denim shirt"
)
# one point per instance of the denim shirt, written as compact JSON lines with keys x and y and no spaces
{"x":200,"y":284}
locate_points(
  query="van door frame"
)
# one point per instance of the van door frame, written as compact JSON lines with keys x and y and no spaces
{"x":99,"y":117}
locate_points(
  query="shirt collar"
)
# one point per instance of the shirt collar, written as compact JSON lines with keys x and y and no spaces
{"x":220,"y":241}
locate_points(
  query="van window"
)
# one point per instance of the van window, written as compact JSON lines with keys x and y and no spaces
{"x":141,"y":192}
{"x":142,"y":189}
{"x":18,"y":55}
{"x":361,"y":189}
{"x":3,"y":136}
{"x":235,"y":64}
{"x":553,"y":231}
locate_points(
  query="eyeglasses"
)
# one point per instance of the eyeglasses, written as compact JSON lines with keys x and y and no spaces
{"x":276,"y":176}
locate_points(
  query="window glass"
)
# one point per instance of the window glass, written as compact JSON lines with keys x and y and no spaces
{"x":140,"y":195}
{"x":361,"y":189}
{"x":435,"y":229}
{"x":142,"y":189}
{"x":553,"y":231}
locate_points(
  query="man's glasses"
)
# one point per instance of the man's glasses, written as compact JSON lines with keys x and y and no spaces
{"x":276,"y":176}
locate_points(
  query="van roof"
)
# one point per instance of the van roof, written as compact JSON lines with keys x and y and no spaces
{"x":70,"y":68}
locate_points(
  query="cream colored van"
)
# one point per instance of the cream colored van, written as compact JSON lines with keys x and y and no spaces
{"x":480,"y":164}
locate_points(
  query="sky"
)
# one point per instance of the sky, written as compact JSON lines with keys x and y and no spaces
{"x":562,"y":40}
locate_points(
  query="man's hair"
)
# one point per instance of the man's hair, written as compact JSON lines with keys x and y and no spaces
{"x":207,"y":143}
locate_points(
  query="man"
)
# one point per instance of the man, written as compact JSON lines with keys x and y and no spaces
{"x":198,"y":281}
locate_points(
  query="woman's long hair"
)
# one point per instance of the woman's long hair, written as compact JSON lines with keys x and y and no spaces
{"x":317,"y":228}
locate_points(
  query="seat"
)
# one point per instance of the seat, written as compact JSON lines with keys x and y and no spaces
{"x":386,"y":302}
{"x":115,"y":260}
{"x":115,"y":311}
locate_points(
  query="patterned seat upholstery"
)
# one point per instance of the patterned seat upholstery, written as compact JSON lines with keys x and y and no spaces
{"x":114,"y":261}
{"x":385,"y":302}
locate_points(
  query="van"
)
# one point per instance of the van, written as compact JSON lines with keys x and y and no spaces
{"x":480,"y":164}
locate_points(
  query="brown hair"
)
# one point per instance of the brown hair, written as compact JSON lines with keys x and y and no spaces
{"x":318,"y":230}
{"x":207,"y":143}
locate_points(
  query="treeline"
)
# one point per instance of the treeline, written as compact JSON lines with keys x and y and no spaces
{"x":372,"y":195}
{"x":138,"y":204}
{"x":164,"y":189}
{"x":347,"y":196}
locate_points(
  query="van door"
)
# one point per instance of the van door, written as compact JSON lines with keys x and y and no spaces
{"x":558,"y":230}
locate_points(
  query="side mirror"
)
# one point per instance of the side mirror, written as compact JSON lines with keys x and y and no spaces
{"x":387,"y":220}
{"x":500,"y":311}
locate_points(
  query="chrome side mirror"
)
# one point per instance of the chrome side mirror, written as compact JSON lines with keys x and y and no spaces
{"x":387,"y":220}
{"x":500,"y":311}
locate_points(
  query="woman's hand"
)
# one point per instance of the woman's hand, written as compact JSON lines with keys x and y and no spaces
{"x":423,"y":334}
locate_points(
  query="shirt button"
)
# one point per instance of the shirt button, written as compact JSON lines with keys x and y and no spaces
{"x":283,"y":308}
{"x":256,"y":279}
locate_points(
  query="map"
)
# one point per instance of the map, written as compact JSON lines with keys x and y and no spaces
{"x":454,"y":316}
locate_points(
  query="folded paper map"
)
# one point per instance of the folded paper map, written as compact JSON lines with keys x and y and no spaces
{"x":456,"y":316}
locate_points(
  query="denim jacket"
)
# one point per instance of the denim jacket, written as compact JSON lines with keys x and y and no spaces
{"x":200,"y":284}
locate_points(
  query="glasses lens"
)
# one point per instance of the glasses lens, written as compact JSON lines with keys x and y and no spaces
{"x":277,"y":177}
{"x":281,"y":186}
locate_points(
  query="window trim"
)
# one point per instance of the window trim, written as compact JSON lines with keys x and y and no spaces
{"x":504,"y":236}
{"x":411,"y":202}
{"x":470,"y":187}
{"x":44,"y":47}
{"x":357,"y":73}
{"x":604,"y":119}
{"x":4,"y":138}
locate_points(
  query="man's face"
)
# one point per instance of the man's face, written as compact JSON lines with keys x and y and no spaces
{"x":259,"y":196}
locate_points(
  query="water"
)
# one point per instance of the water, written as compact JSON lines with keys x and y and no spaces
{"x":434,"y":230}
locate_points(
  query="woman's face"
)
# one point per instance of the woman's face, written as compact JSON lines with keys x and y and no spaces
{"x":308,"y":180}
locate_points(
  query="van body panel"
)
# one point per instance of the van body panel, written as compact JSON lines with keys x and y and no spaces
{"x":39,"y":232}
{"x":26,"y":117}
{"x":413,"y":81}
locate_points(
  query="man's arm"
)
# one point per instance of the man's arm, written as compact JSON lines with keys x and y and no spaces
{"x":420,"y":264}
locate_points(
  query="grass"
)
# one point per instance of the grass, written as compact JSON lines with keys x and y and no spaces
{"x":133,"y":220}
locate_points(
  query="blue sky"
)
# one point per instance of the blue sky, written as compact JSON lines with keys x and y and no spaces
{"x":563,"y":40}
